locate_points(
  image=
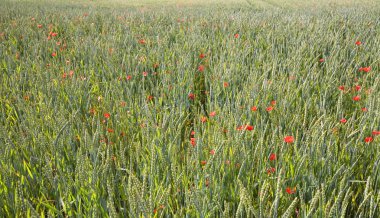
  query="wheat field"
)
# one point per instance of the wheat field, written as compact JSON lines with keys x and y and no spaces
{"x":174,"y":108}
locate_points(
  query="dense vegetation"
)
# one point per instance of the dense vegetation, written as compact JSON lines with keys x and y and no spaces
{"x":198,"y":110}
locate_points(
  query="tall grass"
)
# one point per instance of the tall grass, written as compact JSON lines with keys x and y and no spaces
{"x":123,"y":122}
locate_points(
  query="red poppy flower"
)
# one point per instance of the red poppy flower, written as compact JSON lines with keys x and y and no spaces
{"x":271,"y":170}
{"x":191,"y":96}
{"x":142,"y":41}
{"x":192,"y":133}
{"x":129,"y":77}
{"x":145,"y":73}
{"x":273,"y":103}
{"x":201,"y":55}
{"x":289,"y":139}
{"x":364,"y":109}
{"x":341,"y":88}
{"x":226,"y":84}
{"x":254,"y":108}
{"x":201,"y":68}
{"x":212,"y":152}
{"x":358,"y":43}
{"x":367,"y":69}
{"x":53,"y":54}
{"x":357,"y":88}
{"x":356,"y":98}
{"x":203,"y":162}
{"x":321,"y":60}
{"x":110,"y":130}
{"x":193,"y":142}
{"x":212,"y":114}
{"x":245,"y":127}
{"x":272,"y":157}
{"x":236,"y":35}
{"x":150,"y":97}
{"x":290,"y":190}
{"x":375,"y":132}
{"x":39,"y":26}
{"x":343,"y":120}
{"x":364,"y":69}
{"x":107,"y":115}
{"x":368,"y":139}
{"x":203,"y":119}
{"x":270,"y":108}
{"x":249,"y":128}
